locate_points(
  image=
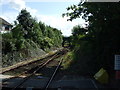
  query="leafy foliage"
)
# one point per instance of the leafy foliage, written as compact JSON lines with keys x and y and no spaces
{"x":8,"y":43}
{"x":43,"y":35}
{"x":96,"y":45}
{"x":29,"y":35}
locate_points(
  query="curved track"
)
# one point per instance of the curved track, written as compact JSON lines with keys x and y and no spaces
{"x":30,"y":73}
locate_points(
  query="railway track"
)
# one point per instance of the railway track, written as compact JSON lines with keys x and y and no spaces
{"x":25,"y":68}
{"x":37,"y":69}
{"x":53,"y":75}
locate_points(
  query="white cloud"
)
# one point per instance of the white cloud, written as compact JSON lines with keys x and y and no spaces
{"x":32,"y":11}
{"x":60,"y":23}
{"x":54,"y":21}
{"x":17,"y":4}
{"x":4,"y":1}
{"x":21,"y":4}
{"x":9,"y":16}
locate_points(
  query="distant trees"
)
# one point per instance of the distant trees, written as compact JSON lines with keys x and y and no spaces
{"x":28,"y":28}
{"x":29,"y":35}
{"x":78,"y":33}
{"x":100,"y":41}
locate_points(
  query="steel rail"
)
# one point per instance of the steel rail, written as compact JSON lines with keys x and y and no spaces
{"x":27,"y":63}
{"x":26,"y":78}
{"x":53,"y":75}
{"x":30,"y":69}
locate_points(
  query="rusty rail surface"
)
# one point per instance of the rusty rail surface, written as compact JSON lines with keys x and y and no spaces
{"x":40,"y":67}
{"x":23,"y":63}
{"x":53,"y":75}
{"x":26,"y":78}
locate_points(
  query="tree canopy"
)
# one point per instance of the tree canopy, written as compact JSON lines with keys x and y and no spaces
{"x":100,"y":40}
{"x":29,"y":35}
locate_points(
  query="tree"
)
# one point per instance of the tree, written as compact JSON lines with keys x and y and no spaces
{"x":43,"y":28}
{"x":26,"y":21}
{"x":27,"y":37}
{"x":8,"y":43}
{"x":103,"y":32}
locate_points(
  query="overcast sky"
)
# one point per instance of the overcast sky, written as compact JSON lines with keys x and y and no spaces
{"x":48,"y":12}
